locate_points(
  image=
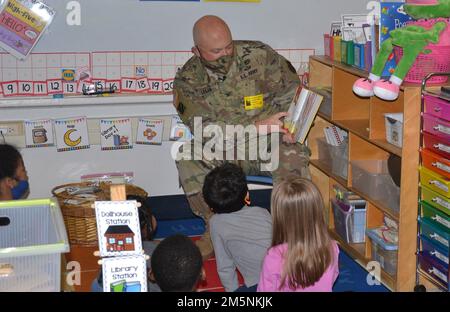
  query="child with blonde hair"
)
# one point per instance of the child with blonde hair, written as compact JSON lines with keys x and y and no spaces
{"x":302,"y":256}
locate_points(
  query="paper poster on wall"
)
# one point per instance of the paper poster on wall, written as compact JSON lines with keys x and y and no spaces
{"x":39,"y":133}
{"x":149,"y":131}
{"x":124,"y":274}
{"x":115,"y":134}
{"x":178,"y":131}
{"x":22,"y":23}
{"x":71,"y":134}
{"x":119,"y":233}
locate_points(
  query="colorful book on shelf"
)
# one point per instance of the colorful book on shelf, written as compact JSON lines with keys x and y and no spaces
{"x":392,"y":16}
{"x":302,"y":112}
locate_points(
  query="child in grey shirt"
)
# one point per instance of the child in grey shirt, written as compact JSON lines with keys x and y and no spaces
{"x":240,"y":234}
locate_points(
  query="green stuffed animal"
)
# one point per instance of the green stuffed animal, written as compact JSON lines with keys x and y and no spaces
{"x":412,"y":39}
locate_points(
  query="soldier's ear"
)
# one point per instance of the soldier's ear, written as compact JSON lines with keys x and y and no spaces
{"x":195,"y":51}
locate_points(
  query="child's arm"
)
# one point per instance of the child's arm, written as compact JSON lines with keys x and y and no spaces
{"x":268,"y":278}
{"x":225,"y":264}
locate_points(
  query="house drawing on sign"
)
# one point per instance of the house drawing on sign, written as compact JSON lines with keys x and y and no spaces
{"x":119,"y":238}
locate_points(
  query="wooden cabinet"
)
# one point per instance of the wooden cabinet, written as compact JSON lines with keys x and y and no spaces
{"x":364,"y":120}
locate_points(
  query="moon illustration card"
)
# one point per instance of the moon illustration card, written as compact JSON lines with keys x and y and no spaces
{"x":39,"y":133}
{"x":71,"y":134}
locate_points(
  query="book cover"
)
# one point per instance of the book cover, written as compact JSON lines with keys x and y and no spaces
{"x":392,"y":16}
{"x":302,"y":112}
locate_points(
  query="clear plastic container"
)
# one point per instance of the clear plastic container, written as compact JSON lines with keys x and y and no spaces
{"x":32,"y":238}
{"x":324,"y":151}
{"x":383,"y":252}
{"x":372,"y":178}
{"x":349,"y":225}
{"x":339,"y":160}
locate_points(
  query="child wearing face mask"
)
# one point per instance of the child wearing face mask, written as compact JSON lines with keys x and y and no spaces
{"x":13,"y":175}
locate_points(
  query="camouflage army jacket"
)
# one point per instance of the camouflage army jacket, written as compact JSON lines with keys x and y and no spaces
{"x":257,"y":73}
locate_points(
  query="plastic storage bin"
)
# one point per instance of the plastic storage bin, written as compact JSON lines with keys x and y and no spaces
{"x":436,"y":200}
{"x":434,"y":252}
{"x":349,"y":225}
{"x":435,"y":269}
{"x":383,"y":252}
{"x":437,"y":145}
{"x":394,"y":128}
{"x":339,"y":160}
{"x":437,"y":107}
{"x":371,"y":177}
{"x":324,"y":151}
{"x":32,"y":238}
{"x":436,"y":233}
{"x":435,"y":162}
{"x":435,"y":215}
{"x":435,"y":181}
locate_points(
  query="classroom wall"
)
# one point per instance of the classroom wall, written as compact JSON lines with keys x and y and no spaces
{"x":146,"y":25}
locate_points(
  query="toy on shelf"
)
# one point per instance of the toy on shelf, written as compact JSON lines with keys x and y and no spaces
{"x":419,"y":38}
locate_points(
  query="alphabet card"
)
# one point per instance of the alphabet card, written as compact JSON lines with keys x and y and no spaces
{"x":71,"y":134}
{"x":149,"y":131}
{"x":125,"y":274}
{"x":119,"y":233}
{"x":39,"y":133}
{"x":115,"y":134}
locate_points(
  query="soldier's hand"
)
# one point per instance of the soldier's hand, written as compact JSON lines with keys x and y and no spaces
{"x":288,"y":138}
{"x":271,"y":124}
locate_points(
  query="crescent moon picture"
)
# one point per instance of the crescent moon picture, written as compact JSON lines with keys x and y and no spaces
{"x":69,"y":141}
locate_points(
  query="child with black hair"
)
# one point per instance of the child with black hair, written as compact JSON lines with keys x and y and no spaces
{"x":148,"y":225}
{"x":177,"y":264}
{"x":13,"y":175}
{"x":240,"y":234}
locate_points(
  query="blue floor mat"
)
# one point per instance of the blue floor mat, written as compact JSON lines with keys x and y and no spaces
{"x":188,"y":227}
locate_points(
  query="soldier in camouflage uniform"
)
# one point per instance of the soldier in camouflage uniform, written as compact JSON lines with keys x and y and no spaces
{"x":231,"y":82}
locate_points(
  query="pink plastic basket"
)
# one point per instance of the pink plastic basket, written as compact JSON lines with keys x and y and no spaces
{"x":437,"y":61}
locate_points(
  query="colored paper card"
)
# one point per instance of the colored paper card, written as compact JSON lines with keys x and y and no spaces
{"x":178,"y":131}
{"x":22,"y":23}
{"x":70,"y":87}
{"x":39,"y":133}
{"x":142,"y":85}
{"x":71,"y":134}
{"x":125,"y":274}
{"x":40,"y":88}
{"x":115,"y":134}
{"x":168,"y":86}
{"x":25,"y":88}
{"x":155,"y":85}
{"x":113,"y":85}
{"x":10,"y":88}
{"x":54,"y":86}
{"x":128,"y":85}
{"x":118,"y":229}
{"x":149,"y":131}
{"x":392,"y":17}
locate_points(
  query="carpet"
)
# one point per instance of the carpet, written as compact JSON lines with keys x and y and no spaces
{"x":175,"y":217}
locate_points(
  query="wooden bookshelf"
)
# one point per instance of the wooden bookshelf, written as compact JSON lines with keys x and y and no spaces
{"x":363,"y":119}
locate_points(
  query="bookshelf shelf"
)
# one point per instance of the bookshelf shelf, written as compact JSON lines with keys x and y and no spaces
{"x":364,"y":120}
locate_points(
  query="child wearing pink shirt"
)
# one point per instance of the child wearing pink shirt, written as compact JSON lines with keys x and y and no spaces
{"x":303,"y":257}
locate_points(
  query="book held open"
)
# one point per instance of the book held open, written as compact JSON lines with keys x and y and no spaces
{"x":302,"y":112}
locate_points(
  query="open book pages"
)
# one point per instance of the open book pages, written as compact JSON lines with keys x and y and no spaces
{"x":302,"y":112}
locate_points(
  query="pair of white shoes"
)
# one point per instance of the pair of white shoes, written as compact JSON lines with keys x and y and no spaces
{"x":373,"y":85}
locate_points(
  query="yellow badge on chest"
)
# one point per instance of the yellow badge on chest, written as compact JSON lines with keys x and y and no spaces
{"x":253,"y":102}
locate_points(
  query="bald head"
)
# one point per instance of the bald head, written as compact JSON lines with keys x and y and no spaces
{"x":211,"y":34}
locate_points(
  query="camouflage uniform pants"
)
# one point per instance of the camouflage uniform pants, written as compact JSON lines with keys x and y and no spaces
{"x":293,"y":159}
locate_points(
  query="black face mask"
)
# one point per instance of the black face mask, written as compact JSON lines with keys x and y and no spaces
{"x":220,"y":66}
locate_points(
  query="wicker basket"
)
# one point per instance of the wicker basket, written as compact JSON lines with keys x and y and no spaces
{"x":79,"y":216}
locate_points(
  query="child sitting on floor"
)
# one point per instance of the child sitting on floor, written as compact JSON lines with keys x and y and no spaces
{"x":177,"y":264}
{"x":303,"y":257}
{"x":240,"y":234}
